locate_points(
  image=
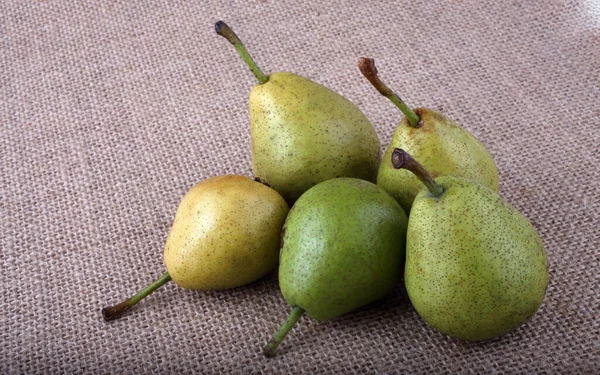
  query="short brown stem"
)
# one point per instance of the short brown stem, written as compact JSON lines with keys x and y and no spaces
{"x":258,"y":179}
{"x":402,"y":160}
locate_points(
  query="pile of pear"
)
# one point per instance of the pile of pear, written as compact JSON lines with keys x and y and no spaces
{"x":342,"y":225}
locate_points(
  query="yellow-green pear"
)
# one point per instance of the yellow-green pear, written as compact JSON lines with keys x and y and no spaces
{"x":442,"y":146}
{"x":303,"y":133}
{"x":476,"y":268}
{"x":226,"y":233}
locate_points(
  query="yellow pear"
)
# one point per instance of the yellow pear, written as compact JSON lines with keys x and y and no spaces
{"x":226,"y":233}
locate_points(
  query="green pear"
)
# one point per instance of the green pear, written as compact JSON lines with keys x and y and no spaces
{"x":440,"y":144}
{"x":303,"y":133}
{"x":343,"y":247}
{"x":475,"y":268}
{"x":226,"y":233}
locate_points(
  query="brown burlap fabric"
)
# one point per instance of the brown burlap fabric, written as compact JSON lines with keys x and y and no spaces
{"x":110,"y":111}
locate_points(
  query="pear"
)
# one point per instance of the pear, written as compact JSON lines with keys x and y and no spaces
{"x":476,"y":268}
{"x":226,"y":233}
{"x":303,"y":133}
{"x":440,"y":144}
{"x":343,"y":247}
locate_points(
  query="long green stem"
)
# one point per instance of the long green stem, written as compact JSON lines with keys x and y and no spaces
{"x":402,"y":160}
{"x":225,"y":31}
{"x":113,"y":312}
{"x":368,"y":69}
{"x":296,"y":313}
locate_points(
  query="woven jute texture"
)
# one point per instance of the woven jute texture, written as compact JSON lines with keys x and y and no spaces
{"x":110,"y":111}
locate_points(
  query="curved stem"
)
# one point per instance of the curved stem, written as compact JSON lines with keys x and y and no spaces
{"x":402,"y":160}
{"x":368,"y":69}
{"x":225,"y":31}
{"x":113,"y":312}
{"x":296,"y":313}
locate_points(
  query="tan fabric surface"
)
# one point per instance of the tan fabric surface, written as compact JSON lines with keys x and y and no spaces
{"x":110,"y":111}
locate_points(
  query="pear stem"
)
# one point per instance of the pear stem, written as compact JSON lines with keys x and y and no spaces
{"x":113,"y":312}
{"x":368,"y":69}
{"x":225,"y":31}
{"x":287,"y":325}
{"x":402,"y":160}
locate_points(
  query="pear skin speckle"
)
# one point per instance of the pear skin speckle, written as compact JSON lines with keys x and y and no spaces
{"x":343,"y":247}
{"x":226,"y":234}
{"x":304,"y":133}
{"x":443,"y":148}
{"x":475,"y":266}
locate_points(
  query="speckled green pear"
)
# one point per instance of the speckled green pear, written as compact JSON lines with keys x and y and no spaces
{"x":303,"y":133}
{"x":442,"y":146}
{"x":226,"y":233}
{"x":476,"y":268}
{"x":343,"y":247}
